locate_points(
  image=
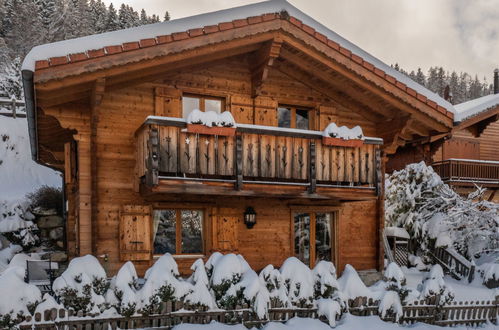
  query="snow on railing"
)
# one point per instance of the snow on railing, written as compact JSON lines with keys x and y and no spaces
{"x":12,"y":107}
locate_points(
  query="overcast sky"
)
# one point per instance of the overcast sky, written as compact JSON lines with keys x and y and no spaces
{"x":461,"y":35}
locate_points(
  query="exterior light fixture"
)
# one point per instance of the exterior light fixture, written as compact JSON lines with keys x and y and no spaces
{"x":250,"y":217}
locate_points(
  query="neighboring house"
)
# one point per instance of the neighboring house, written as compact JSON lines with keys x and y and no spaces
{"x":471,"y":156}
{"x":109,"y":111}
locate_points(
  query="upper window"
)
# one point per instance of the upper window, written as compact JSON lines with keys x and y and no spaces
{"x":293,"y":117}
{"x":201,"y":102}
{"x":178,"y":231}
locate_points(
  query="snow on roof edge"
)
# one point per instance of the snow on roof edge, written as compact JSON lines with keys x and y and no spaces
{"x":65,"y":47}
{"x":474,"y":107}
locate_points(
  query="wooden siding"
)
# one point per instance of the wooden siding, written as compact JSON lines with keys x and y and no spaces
{"x":95,"y":225}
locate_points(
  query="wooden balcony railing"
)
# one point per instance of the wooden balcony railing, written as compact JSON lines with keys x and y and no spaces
{"x":256,"y":154}
{"x":468,"y":171}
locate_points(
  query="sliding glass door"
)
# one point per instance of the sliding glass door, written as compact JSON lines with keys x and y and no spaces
{"x":315,"y":236}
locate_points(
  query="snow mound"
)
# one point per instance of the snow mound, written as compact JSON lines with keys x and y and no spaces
{"x":211,"y":118}
{"x":352,"y":286}
{"x":48,"y":302}
{"x":16,"y":294}
{"x":325,"y":275}
{"x":390,"y":304}
{"x":329,"y":308}
{"x":227,"y":267}
{"x":299,"y":280}
{"x":343,"y":132}
{"x":394,"y":273}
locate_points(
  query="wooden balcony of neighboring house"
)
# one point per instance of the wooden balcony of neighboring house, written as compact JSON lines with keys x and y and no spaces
{"x":468,"y":172}
{"x":254,"y":161}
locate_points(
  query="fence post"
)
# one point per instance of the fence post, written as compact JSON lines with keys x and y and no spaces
{"x":13,"y":105}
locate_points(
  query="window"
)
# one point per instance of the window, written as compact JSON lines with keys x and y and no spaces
{"x":178,"y":231}
{"x":293,"y":117}
{"x":200,"y":102}
{"x":315,"y":236}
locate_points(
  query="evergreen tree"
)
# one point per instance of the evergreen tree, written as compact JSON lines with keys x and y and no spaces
{"x":167,"y":16}
{"x":420,"y":77}
{"x":112,"y":22}
{"x":98,"y":15}
{"x":10,"y":80}
{"x":26,"y":29}
{"x":46,"y":9}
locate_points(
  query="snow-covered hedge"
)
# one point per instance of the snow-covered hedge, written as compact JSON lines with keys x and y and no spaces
{"x":435,"y":215}
{"x":211,"y":118}
{"x":343,"y":132}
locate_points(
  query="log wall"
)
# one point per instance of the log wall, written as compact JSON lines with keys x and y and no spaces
{"x":94,"y":225}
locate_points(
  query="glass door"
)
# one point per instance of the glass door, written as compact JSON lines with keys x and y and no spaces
{"x":315,"y":237}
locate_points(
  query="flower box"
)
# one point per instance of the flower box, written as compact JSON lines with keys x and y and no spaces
{"x":203,"y":129}
{"x":331,"y":141}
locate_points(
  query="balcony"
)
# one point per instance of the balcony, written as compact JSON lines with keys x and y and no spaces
{"x":256,"y":161}
{"x":468,"y":172}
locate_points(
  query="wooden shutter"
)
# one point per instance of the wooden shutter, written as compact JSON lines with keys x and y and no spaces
{"x":241,"y":107}
{"x":265,"y":111}
{"x":135,"y":233}
{"x":227,"y":233}
{"x":167,"y":102}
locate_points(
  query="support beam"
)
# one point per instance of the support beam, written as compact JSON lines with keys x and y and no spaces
{"x":260,"y":63}
{"x":321,"y":87}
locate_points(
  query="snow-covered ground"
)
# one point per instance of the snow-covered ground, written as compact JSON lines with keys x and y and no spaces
{"x":349,"y":322}
{"x":19,"y":174}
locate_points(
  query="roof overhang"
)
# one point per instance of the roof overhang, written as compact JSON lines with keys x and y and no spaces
{"x":72,"y":77}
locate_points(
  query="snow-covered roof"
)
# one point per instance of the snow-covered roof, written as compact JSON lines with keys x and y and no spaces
{"x":81,"y":45}
{"x":474,"y":107}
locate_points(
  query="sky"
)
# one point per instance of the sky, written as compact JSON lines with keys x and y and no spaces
{"x":460,"y":35}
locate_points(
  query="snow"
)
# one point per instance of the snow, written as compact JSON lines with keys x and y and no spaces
{"x":394,"y":273}
{"x":83,"y":44}
{"x":325,"y":274}
{"x":227,"y":267}
{"x":211,"y":118}
{"x":472,"y":108}
{"x":19,"y":293}
{"x":397,"y":232}
{"x":352,"y":286}
{"x":330,"y":309}
{"x":124,"y":285}
{"x":390,"y":303}
{"x":19,"y":174}
{"x":48,"y":302}
{"x":299,"y":279}
{"x":490,"y":272}
{"x":6,"y":254}
{"x":343,"y":132}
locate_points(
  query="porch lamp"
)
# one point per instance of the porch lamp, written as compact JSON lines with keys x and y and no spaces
{"x":250,"y":217}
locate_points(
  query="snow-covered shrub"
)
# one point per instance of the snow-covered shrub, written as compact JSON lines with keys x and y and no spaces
{"x":227,"y":271}
{"x":7,"y":253}
{"x":16,"y":223}
{"x":343,"y":132}
{"x":396,"y":281}
{"x":162,"y":284}
{"x":435,"y":215}
{"x":390,"y":306}
{"x":199,"y":297}
{"x":82,"y":285}
{"x":211,"y":118}
{"x":125,"y":292}
{"x":299,"y":282}
{"x":325,"y":280}
{"x":433,"y":287}
{"x":46,"y":198}
{"x":329,"y":308}
{"x":490,"y":274}
{"x":18,"y":298}
{"x":275,"y":285}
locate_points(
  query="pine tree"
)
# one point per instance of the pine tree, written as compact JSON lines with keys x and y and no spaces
{"x":98,"y":15}
{"x":420,"y":77}
{"x":10,"y":80}
{"x":26,"y":29}
{"x":167,"y":16}
{"x":143,"y":17}
{"x":46,"y":9}
{"x":112,"y":22}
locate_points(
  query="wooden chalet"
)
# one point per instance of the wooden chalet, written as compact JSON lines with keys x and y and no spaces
{"x":109,"y":112}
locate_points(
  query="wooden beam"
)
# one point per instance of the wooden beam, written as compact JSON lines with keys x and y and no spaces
{"x":260,"y":63}
{"x":338,"y":99}
{"x":98,"y":92}
{"x":338,"y":83}
{"x":393,"y":133}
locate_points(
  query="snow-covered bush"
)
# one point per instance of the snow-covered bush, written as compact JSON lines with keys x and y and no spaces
{"x":490,"y":274}
{"x":211,"y":118}
{"x":18,"y":298}
{"x":352,"y":286}
{"x":226,"y":271}
{"x":343,"y":132}
{"x":163,"y":283}
{"x":275,"y":285}
{"x":199,"y":297}
{"x":82,"y":285}
{"x":299,"y":282}
{"x":435,"y":215}
{"x":390,"y":306}
{"x":125,"y":290}
{"x":433,"y":287}
{"x":396,"y":281}
{"x":16,"y":223}
{"x":329,"y":308}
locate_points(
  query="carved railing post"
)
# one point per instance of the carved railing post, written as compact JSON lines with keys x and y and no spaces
{"x":379,"y":172}
{"x":152,"y":163}
{"x":239,"y":162}
{"x":312,"y":168}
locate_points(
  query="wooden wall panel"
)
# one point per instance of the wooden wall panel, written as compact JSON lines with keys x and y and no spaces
{"x":489,"y":142}
{"x":357,"y":235}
